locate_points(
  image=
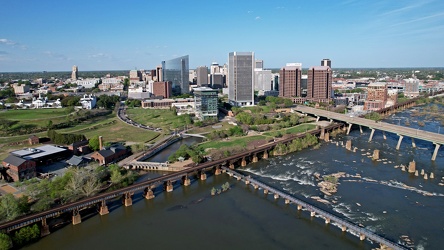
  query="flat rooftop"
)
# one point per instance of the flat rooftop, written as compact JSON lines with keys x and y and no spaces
{"x":35,"y":153}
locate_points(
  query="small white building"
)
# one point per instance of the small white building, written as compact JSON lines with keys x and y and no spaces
{"x":88,"y":101}
{"x":88,"y":83}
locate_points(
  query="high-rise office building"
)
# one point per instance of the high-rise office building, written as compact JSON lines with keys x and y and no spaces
{"x":74,"y":73}
{"x":241,"y":78}
{"x":176,"y":71}
{"x":162,"y":89}
{"x":319,"y":84}
{"x":259,"y":64}
{"x":214,"y":68}
{"x":326,"y":62}
{"x":202,"y":76}
{"x":290,"y":80}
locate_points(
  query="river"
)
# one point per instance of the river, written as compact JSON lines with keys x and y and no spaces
{"x":385,"y":200}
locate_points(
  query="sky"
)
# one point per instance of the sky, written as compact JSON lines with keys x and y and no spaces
{"x":138,"y":34}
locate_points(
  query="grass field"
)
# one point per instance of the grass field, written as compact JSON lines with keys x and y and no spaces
{"x":233,"y":141}
{"x":206,"y":129}
{"x":158,"y":118}
{"x":32,"y":114}
{"x":294,"y":130}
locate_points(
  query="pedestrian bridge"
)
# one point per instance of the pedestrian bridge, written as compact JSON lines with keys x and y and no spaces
{"x":401,"y":131}
{"x":329,"y":218}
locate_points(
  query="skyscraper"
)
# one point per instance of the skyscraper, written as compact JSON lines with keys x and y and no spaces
{"x":319,"y":84}
{"x":176,"y":71}
{"x":74,"y":73}
{"x":241,"y":78}
{"x":326,"y":62}
{"x":290,"y":80}
{"x":202,"y":76}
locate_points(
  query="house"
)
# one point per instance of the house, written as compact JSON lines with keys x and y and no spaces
{"x":78,"y":161}
{"x":18,"y":168}
{"x":79,"y":147}
{"x":110,"y":154}
{"x":33,"y":139}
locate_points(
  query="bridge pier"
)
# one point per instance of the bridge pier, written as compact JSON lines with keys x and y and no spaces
{"x":203,"y":176}
{"x":76,"y":219}
{"x":299,"y":207}
{"x":45,"y":228}
{"x":186,"y":181}
{"x":435,"y":153}
{"x":312,"y":213}
{"x":371,"y":135}
{"x":383,"y":135}
{"x":362,"y":236}
{"x":255,"y":159}
{"x":149,"y":194}
{"x":247,"y":181}
{"x":231,"y":166}
{"x":169,"y":186}
{"x":265,"y":154}
{"x":327,"y":137}
{"x":360,"y":129}
{"x":255,"y":186}
{"x":287,"y":201}
{"x":413,"y":143}
{"x":276,"y":196}
{"x":218,"y":171}
{"x":265,"y":191}
{"x":127,"y":200}
{"x":327,"y":220}
{"x":321,"y":136}
{"x":399,"y":142}
{"x":103,"y":208}
{"x":243,"y":162}
{"x":343,"y":228}
{"x":349,"y":128}
{"x":317,"y":118}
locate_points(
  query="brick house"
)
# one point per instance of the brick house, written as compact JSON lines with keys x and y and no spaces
{"x":33,"y":139}
{"x":109,"y":155}
{"x":18,"y":168}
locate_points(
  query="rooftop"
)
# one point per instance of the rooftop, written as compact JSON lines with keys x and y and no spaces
{"x":34,"y":153}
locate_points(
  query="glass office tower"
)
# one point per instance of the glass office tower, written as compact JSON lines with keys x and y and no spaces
{"x":176,"y":71}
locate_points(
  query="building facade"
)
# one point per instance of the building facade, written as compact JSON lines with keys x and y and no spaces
{"x":376,"y":96}
{"x":74,"y":73}
{"x":319,"y":84}
{"x":202,"y":76}
{"x":241,"y":78}
{"x":163,"y":89}
{"x":206,"y":102}
{"x":176,"y":71}
{"x":88,"y":101}
{"x":290,"y":80}
{"x":326,"y":62}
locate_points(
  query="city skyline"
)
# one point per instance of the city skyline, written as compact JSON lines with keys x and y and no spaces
{"x":115,"y":35}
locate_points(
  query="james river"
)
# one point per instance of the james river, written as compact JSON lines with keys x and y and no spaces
{"x":384,"y":199}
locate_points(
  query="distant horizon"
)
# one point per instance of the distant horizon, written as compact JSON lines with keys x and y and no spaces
{"x":373,"y":34}
{"x":114,"y":70}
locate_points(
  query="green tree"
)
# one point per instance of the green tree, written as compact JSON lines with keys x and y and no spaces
{"x":26,"y":235}
{"x":94,"y":143}
{"x":9,"y":207}
{"x":5,"y":241}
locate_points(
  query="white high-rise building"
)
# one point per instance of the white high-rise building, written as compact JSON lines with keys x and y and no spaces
{"x":241,"y":78}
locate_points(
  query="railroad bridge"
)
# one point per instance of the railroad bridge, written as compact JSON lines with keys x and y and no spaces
{"x":147,"y":186}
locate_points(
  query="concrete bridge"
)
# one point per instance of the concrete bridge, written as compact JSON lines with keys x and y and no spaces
{"x":329,"y":218}
{"x":194,"y":135}
{"x":401,"y":131}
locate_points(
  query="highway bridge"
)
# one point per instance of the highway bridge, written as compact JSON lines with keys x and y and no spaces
{"x":329,"y":217}
{"x":401,"y":131}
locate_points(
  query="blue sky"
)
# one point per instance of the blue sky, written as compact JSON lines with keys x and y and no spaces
{"x":113,"y":35}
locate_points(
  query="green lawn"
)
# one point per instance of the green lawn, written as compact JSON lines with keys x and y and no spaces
{"x":210,"y":128}
{"x":32,"y":114}
{"x":233,"y":141}
{"x":158,"y":118}
{"x":294,"y":130}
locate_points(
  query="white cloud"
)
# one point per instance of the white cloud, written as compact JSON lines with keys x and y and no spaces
{"x":257,"y":18}
{"x":7,"y":42}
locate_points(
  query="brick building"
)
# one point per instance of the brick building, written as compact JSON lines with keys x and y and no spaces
{"x":163,"y":89}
